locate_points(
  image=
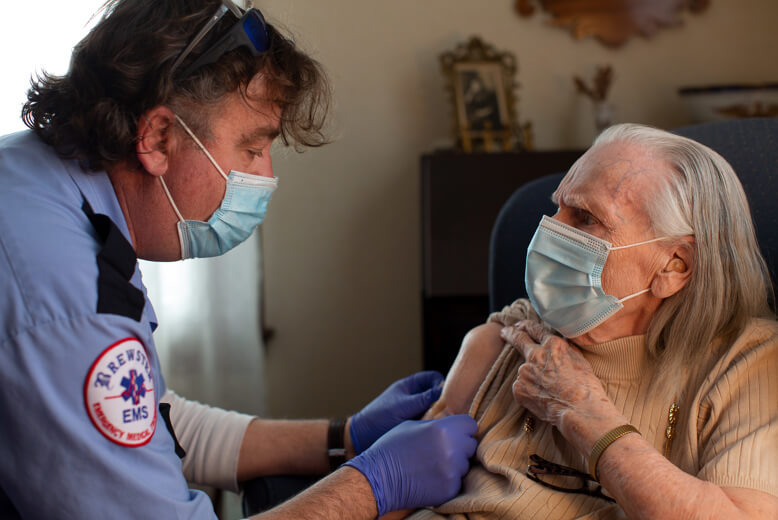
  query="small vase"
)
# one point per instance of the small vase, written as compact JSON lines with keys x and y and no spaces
{"x":603,"y":115}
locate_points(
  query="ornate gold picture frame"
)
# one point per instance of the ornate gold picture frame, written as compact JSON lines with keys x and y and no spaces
{"x":480,"y":82}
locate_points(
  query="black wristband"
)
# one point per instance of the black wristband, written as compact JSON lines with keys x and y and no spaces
{"x":336,"y":450}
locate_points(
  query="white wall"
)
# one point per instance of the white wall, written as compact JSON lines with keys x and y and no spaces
{"x":342,"y":241}
{"x":24,"y":54}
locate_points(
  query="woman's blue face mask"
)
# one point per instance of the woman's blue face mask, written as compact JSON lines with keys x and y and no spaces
{"x":563,"y":278}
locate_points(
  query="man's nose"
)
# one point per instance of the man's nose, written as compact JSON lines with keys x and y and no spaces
{"x":267,"y":166}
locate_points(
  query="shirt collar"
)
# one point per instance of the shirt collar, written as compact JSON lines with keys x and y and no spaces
{"x":97,"y":189}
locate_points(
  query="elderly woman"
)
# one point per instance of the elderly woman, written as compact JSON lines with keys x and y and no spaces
{"x":659,"y":400}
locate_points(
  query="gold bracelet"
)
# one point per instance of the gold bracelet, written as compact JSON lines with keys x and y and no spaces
{"x":605,"y":441}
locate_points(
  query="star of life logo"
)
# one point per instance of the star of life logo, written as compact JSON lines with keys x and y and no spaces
{"x":119,"y":394}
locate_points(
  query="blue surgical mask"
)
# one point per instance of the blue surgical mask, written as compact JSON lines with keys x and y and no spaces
{"x":241,"y":211}
{"x":563,"y":278}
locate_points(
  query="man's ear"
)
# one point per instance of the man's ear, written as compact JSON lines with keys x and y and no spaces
{"x":154,"y":139}
{"x":677,"y":269}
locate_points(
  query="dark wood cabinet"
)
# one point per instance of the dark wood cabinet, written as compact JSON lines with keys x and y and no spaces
{"x":461,"y":197}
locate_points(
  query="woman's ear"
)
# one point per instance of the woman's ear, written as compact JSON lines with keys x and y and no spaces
{"x":677,"y":270}
{"x":154,"y":136}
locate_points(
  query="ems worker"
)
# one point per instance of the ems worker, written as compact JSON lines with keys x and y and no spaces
{"x":156,"y":145}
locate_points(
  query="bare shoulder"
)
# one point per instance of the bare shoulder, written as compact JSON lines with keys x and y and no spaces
{"x":480,"y":348}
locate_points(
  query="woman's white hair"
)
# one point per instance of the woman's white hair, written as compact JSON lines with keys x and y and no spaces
{"x":729,"y":283}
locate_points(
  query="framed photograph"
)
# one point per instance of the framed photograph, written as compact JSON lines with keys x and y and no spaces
{"x":480,"y":97}
{"x":480,"y":82}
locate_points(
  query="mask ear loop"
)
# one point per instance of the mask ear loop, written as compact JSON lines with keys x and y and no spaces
{"x":178,"y":214}
{"x":633,"y":295}
{"x":629,"y":297}
{"x":202,"y":147}
{"x":170,"y":198}
{"x":612,"y":248}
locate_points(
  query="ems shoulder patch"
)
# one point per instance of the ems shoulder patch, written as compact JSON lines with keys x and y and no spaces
{"x":119,"y":394}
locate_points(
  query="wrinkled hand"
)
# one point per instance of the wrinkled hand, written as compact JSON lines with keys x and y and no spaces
{"x":405,"y":399}
{"x":418,"y":463}
{"x":558,"y":385}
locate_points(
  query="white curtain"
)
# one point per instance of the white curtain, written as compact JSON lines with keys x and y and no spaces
{"x":209,"y":337}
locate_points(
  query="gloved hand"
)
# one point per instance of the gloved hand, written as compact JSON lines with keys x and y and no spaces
{"x":405,"y":399}
{"x":418,"y":463}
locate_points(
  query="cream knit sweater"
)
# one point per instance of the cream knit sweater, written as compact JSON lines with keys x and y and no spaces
{"x":730,"y":435}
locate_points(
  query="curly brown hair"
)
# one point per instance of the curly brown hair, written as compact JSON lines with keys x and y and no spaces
{"x":122,"y":68}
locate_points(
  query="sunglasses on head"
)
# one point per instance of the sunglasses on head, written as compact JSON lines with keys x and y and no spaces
{"x":250,"y":31}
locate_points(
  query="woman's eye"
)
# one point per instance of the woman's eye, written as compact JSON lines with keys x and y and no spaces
{"x":586,"y":218}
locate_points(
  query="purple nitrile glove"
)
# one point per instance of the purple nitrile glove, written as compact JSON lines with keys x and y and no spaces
{"x":405,"y":399}
{"x":418,"y":463}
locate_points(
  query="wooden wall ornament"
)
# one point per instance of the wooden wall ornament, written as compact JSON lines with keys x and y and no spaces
{"x":613,"y":22}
